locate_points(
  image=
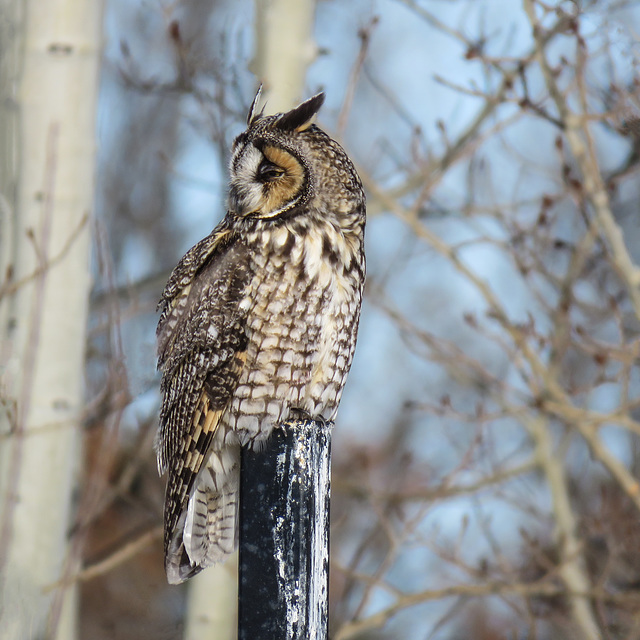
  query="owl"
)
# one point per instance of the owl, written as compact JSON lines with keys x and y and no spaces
{"x":258,"y":323}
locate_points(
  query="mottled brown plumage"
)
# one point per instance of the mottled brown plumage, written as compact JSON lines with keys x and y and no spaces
{"x":258,"y":320}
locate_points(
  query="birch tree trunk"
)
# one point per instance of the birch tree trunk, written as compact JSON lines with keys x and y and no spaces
{"x":49,"y":105}
{"x":284,"y":48}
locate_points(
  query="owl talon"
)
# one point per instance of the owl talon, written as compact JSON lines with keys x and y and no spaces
{"x":300,"y":415}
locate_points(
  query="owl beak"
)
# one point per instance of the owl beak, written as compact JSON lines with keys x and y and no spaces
{"x":242,"y":203}
{"x":234,"y":202}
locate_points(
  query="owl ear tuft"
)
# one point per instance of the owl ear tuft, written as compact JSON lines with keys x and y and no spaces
{"x":301,"y":117}
{"x":254,"y":115}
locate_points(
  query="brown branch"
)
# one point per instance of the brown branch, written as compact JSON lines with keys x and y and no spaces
{"x":119,"y":556}
{"x":378,"y":620}
{"x":365,"y":39}
{"x":430,"y":495}
{"x":583,"y":149}
{"x":9,"y":287}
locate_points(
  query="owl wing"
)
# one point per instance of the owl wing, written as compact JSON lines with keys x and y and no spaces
{"x":201,"y":350}
{"x":210,"y":247}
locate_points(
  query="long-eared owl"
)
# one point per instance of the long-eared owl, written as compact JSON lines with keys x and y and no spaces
{"x":258,"y":322}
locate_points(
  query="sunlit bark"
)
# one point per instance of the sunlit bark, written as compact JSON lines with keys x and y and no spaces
{"x":284,"y":49}
{"x":46,"y":204}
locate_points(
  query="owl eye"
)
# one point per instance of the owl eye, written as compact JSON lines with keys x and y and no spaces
{"x":268,"y":172}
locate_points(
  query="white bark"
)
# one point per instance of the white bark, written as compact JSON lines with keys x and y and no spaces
{"x":284,"y":49}
{"x":44,"y":310}
{"x":10,"y":21}
{"x":212,"y":609}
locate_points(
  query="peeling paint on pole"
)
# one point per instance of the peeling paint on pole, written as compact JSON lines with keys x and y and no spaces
{"x":284,"y":535}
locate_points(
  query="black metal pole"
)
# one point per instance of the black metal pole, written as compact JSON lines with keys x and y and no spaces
{"x":284,"y":535}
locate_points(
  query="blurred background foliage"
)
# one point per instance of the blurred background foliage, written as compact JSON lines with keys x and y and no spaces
{"x":486,"y":454}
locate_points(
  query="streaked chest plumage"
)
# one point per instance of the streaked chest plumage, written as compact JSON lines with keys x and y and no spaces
{"x":301,"y":304}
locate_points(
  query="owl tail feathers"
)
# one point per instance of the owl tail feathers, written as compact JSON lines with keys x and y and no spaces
{"x":207,"y":532}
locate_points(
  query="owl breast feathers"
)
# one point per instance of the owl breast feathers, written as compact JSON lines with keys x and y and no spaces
{"x":258,"y":321}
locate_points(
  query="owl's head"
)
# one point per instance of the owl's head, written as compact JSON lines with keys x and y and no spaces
{"x":283,"y":164}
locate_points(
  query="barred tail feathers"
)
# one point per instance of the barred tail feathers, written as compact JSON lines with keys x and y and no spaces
{"x":207,"y":531}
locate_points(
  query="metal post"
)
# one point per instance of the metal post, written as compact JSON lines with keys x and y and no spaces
{"x":284,"y":535}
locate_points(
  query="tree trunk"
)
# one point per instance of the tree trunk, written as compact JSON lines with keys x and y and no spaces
{"x":48,"y":144}
{"x":284,"y":49}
